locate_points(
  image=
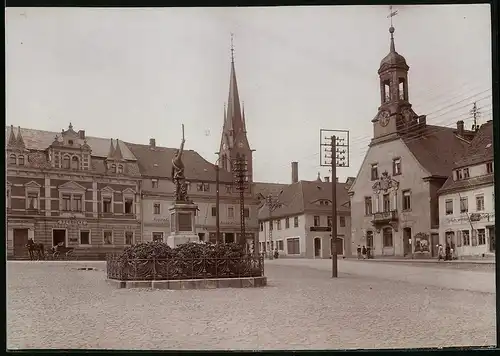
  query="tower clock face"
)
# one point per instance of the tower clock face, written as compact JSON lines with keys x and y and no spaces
{"x":384,"y":118}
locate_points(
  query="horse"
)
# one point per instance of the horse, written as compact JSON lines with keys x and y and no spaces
{"x":35,"y":248}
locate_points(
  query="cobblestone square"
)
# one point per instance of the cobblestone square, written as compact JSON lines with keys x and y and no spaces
{"x":54,"y":305}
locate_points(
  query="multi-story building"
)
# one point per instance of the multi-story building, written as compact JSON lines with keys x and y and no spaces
{"x":301,"y":225}
{"x":394,"y":201}
{"x":467,"y":200}
{"x":155,"y":165}
{"x":70,"y":188}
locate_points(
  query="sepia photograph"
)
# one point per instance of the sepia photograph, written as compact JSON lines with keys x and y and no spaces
{"x":250,"y":178}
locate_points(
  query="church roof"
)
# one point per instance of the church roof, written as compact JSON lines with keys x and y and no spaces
{"x":303,"y":196}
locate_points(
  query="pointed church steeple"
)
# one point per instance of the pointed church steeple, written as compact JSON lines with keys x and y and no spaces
{"x":243,"y":117}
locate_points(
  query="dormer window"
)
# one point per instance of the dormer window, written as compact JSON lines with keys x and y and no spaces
{"x":113,"y":168}
{"x":466,"y":173}
{"x":13,"y":159}
{"x":70,"y":142}
{"x":120,"y":168}
{"x":20,"y":160}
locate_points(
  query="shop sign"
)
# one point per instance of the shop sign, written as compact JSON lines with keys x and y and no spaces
{"x":160,"y":220}
{"x":72,"y":222}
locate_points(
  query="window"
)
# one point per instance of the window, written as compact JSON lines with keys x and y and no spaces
{"x":489,"y":167}
{"x":387,"y":202}
{"x":230,"y":212}
{"x":261,"y":225}
{"x":129,"y":238}
{"x":448,"y":206}
{"x":32,"y":200}
{"x":271,"y":225}
{"x":13,"y":159}
{"x":342,"y":221}
{"x":21,"y":160}
{"x":70,"y":142}
{"x":108,"y":237}
{"x":374,"y":171}
{"x":129,"y":205}
{"x":316,"y":221}
{"x":7,"y":198}
{"x":154,"y":183}
{"x":481,"y":236}
{"x":406,"y":200}
{"x":246,"y":212}
{"x":459,"y":238}
{"x":203,"y":187}
{"x":77,"y":203}
{"x":84,"y":237}
{"x":474,"y":237}
{"x":278,"y":224}
{"x":386,"y":89}
{"x":464,"y":205}
{"x":396,"y":166}
{"x":120,"y":168}
{"x":280,"y":245}
{"x":296,"y":221}
{"x":387,"y":237}
{"x":466,"y":173}
{"x":214,"y":211}
{"x":229,"y":188}
{"x":74,"y":162}
{"x":401,"y":89}
{"x":368,"y":206}
{"x":465,"y":238}
{"x":66,"y":162}
{"x":156,"y":209}
{"x":293,"y":246}
{"x":113,"y":168}
{"x":157,"y":236}
{"x":66,"y":202}
{"x":480,"y":202}
{"x":329,"y":221}
{"x":106,"y":205}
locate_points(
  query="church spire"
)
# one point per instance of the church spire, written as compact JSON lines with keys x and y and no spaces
{"x":111,"y":149}
{"x":234,"y":117}
{"x":20,"y":140}
{"x":12,"y":137}
{"x":118,"y":152}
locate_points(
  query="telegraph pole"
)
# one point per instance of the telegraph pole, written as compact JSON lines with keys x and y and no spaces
{"x":272,"y":203}
{"x":335,"y":151}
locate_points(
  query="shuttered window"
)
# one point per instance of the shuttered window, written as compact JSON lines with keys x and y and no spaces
{"x":293,"y":246}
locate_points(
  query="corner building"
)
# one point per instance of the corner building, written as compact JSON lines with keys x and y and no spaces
{"x":67,"y":187}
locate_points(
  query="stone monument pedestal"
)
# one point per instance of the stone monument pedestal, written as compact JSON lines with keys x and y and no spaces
{"x":182,"y":224}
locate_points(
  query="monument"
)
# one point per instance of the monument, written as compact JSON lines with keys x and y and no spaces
{"x":182,"y":211}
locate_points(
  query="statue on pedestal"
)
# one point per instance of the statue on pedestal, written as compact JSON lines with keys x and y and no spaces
{"x":178,"y":176}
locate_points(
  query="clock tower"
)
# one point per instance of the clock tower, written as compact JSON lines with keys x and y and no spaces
{"x":395,"y":114}
{"x":234,"y":141}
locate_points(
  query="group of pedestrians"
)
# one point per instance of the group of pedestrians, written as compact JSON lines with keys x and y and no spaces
{"x":447,"y":253}
{"x":363,"y":252}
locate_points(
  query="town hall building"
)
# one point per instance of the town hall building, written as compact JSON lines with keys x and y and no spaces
{"x":394,"y":200}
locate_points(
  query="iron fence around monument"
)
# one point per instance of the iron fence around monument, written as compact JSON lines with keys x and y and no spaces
{"x":121,"y":268}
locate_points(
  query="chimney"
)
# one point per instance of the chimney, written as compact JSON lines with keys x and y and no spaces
{"x":81,"y":134}
{"x":295,"y":172}
{"x":422,"y":120}
{"x":327,"y":179}
{"x":152,"y":143}
{"x":460,"y":127}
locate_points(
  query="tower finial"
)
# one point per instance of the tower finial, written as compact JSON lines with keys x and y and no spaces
{"x":232,"y":48}
{"x":391,"y":29}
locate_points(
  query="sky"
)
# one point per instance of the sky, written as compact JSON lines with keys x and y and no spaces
{"x":136,"y":74}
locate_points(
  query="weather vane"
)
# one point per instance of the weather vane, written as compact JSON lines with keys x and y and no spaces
{"x":392,"y":13}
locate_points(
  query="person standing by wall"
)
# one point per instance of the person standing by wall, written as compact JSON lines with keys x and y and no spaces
{"x":359,"y":252}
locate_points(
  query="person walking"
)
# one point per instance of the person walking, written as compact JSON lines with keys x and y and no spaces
{"x":440,"y":252}
{"x":363,"y":252}
{"x":359,"y":252}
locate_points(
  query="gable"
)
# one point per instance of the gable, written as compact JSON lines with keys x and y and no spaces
{"x":107,"y":189}
{"x":32,"y":184}
{"x":71,"y":186}
{"x":128,"y":191}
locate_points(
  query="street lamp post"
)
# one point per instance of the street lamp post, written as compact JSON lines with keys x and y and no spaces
{"x":217,"y":200}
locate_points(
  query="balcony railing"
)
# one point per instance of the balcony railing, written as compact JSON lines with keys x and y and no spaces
{"x":385,"y":217}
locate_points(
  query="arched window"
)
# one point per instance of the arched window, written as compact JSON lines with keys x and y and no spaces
{"x":74,"y":162}
{"x":120,"y":168}
{"x":20,"y":160}
{"x":12,"y":159}
{"x":66,"y":162}
{"x":113,"y":168}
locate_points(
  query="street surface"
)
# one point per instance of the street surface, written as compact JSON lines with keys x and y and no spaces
{"x":370,"y":305}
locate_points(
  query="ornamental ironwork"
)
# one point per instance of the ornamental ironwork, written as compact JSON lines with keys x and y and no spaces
{"x":125,"y":269}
